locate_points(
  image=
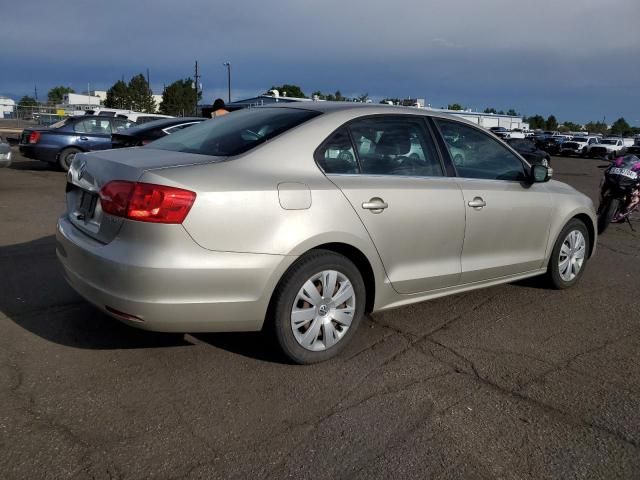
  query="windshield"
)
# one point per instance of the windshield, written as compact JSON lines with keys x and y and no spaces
{"x":234,"y":133}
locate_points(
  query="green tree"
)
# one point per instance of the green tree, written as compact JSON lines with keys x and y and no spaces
{"x":535,"y":122}
{"x":551,"y":123}
{"x":28,"y":101}
{"x":596,"y":127}
{"x":179,"y":98}
{"x":620,"y":127}
{"x":140,"y":95}
{"x":56,"y":94}
{"x":289,"y":91}
{"x":512,"y":112}
{"x":455,"y":106}
{"x":118,"y":96}
{"x":572,"y":127}
{"x":490,"y":110}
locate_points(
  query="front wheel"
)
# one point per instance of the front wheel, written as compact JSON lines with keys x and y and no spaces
{"x":606,"y":212}
{"x":569,"y":256}
{"x":317,"y":306}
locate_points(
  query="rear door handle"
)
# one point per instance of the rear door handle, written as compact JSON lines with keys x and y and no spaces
{"x":477,"y":202}
{"x":84,"y":139}
{"x":376,"y":205}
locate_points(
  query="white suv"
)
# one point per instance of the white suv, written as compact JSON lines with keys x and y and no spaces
{"x":578,"y":145}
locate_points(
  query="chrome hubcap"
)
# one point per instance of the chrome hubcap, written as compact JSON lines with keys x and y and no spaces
{"x":323,"y":310}
{"x":572,"y":254}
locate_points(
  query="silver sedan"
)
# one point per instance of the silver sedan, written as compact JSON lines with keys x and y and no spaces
{"x":300,"y":219}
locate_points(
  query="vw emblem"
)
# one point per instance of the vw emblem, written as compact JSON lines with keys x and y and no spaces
{"x":81,"y":168}
{"x":323,"y":310}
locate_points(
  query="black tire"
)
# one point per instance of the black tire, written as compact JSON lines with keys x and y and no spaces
{"x":553,"y":269}
{"x":66,"y":157}
{"x":607,"y":211}
{"x":304,"y":268}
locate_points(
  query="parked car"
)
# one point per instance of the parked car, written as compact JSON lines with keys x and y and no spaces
{"x":578,"y":145}
{"x":501,"y":132}
{"x":150,"y":131}
{"x":302,"y":218}
{"x":529,"y":151}
{"x":5,"y":153}
{"x":551,"y":145}
{"x":137,"y":117}
{"x":607,"y":148}
{"x":634,"y":150}
{"x":60,"y":142}
{"x":517,"y":133}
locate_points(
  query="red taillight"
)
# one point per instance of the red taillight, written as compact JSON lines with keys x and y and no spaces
{"x":34,"y":137}
{"x":146,"y":202}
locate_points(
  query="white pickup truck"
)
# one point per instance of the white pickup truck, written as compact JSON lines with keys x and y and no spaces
{"x":578,"y":145}
{"x":608,"y":148}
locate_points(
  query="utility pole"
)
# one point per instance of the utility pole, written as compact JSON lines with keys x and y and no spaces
{"x":195,"y":86}
{"x":35,"y":91}
{"x":148,"y":83}
{"x":228,"y":65}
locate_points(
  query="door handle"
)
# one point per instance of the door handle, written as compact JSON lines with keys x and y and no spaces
{"x":376,"y":205}
{"x":84,"y":139}
{"x":477,"y":202}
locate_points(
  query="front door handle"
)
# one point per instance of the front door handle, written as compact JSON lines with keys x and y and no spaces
{"x":477,"y":202}
{"x":84,"y":139}
{"x":376,"y":205}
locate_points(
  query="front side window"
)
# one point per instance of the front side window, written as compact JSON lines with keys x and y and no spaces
{"x":477,"y":155}
{"x":395,"y":146}
{"x":336,"y":154}
{"x":234,"y":133}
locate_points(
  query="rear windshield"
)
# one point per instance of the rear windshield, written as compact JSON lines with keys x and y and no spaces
{"x":234,"y":133}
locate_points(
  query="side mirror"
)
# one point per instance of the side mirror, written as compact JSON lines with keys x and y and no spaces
{"x":540,"y":173}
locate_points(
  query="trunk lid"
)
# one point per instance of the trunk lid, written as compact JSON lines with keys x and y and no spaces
{"x":89,"y":172}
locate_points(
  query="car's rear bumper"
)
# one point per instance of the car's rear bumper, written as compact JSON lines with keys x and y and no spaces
{"x":36,"y":152}
{"x":176,"y":288}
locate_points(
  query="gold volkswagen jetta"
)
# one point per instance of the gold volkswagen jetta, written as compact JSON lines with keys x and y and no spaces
{"x":302,"y":218}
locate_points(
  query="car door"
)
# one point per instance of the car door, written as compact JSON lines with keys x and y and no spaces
{"x":507,"y":217}
{"x":93,"y":133}
{"x":388,"y":168}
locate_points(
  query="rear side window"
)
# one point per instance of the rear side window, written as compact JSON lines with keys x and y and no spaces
{"x":336,"y":154}
{"x":95,"y":126}
{"x":388,"y":145}
{"x":234,"y":133}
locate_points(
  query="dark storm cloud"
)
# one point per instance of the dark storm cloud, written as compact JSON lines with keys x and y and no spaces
{"x":579,"y":58}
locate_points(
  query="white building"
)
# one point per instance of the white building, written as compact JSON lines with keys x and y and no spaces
{"x":487,"y":120}
{"x":80,"y":100}
{"x":158,"y":100}
{"x":7,"y":107}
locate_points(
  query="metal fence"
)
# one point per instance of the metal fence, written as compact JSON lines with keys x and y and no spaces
{"x":22,"y":116}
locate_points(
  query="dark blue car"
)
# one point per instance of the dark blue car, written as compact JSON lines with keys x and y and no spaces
{"x":61,"y":141}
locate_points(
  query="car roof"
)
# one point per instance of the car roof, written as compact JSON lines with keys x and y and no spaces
{"x":357,"y":109}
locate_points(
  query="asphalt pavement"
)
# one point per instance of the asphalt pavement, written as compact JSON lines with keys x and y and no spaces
{"x":512,"y":382}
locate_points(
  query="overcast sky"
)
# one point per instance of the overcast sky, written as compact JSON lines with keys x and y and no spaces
{"x":579,"y":60}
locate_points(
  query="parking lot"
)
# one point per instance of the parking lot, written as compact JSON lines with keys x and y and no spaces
{"x":514,"y":381}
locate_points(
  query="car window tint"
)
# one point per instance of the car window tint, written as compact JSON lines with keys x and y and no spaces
{"x":336,"y":154}
{"x":395,"y":146}
{"x":119,"y":124}
{"x":477,"y":155}
{"x":94,"y":126}
{"x":236,"y":132}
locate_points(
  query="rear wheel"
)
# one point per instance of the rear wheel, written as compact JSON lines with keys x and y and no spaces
{"x":607,"y":212}
{"x":318,"y":306}
{"x":569,"y":256}
{"x":66,"y":157}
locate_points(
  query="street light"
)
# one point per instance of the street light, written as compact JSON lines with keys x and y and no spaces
{"x":228,"y":65}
